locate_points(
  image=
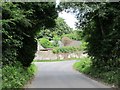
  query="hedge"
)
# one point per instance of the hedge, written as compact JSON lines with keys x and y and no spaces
{"x":66,"y":49}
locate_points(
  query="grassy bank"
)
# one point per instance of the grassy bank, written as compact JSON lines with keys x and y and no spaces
{"x":16,"y":76}
{"x":110,"y":77}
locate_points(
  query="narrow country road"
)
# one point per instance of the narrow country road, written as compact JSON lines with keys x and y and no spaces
{"x":61,"y":75}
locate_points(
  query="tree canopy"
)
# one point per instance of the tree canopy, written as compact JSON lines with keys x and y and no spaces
{"x":21,"y":22}
{"x":60,"y":29}
{"x":100,"y":24}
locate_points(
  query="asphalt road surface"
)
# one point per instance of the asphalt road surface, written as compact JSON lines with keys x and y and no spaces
{"x":61,"y":75}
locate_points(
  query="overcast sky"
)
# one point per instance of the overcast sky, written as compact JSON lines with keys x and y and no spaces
{"x":69,"y":18}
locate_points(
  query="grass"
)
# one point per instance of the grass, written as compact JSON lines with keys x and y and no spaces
{"x":110,"y":77}
{"x":56,"y":60}
{"x":16,"y":76}
{"x":83,"y":65}
{"x":48,"y":60}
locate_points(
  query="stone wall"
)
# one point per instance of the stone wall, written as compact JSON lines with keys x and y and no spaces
{"x":48,"y":55}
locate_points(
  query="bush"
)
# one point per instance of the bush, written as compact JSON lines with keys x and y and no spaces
{"x":45,"y":43}
{"x":75,"y":35}
{"x":16,"y":76}
{"x":85,"y":66}
{"x":83,"y":45}
{"x":56,"y":39}
{"x":66,"y":49}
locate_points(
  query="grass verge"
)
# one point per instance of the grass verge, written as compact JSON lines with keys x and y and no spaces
{"x":109,"y":77}
{"x":48,"y":60}
{"x":16,"y":76}
{"x":56,"y":60}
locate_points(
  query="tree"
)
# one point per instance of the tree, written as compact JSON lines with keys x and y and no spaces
{"x":60,"y":29}
{"x":75,"y":35}
{"x":21,"y":23}
{"x":101,"y":30}
{"x":100,"y":25}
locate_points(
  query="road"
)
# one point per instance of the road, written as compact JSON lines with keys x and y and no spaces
{"x":61,"y":75}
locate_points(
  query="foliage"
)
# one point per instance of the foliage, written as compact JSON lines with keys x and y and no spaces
{"x":75,"y":35}
{"x":101,"y":30}
{"x":83,"y":45}
{"x":27,"y":52}
{"x":16,"y":76}
{"x":45,"y":33}
{"x":45,"y":43}
{"x":66,"y":49}
{"x":60,"y":29}
{"x":101,"y":27}
{"x":21,"y":22}
{"x":71,"y":36}
{"x":56,"y":40}
{"x":11,"y":41}
{"x":85,"y":66}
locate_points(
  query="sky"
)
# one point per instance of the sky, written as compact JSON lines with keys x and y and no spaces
{"x":69,"y":18}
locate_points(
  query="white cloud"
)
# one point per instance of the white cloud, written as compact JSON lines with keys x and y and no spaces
{"x":69,"y":18}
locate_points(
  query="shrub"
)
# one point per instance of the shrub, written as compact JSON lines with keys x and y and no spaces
{"x":85,"y":66}
{"x":66,"y":49}
{"x":83,"y":45}
{"x":16,"y":76}
{"x":56,"y":39}
{"x":45,"y":43}
{"x":75,"y":35}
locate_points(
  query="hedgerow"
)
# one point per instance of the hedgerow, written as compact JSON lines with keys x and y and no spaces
{"x":16,"y":76}
{"x":110,"y":77}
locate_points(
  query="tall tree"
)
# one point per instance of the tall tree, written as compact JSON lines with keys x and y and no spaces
{"x":21,"y":23}
{"x":100,"y":24}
